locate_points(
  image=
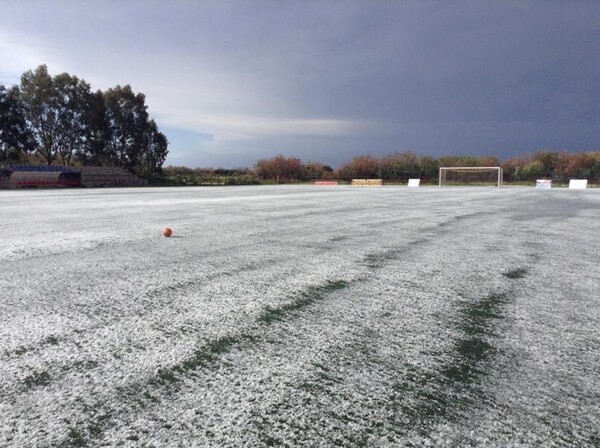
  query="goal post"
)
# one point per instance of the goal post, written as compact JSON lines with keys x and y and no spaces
{"x":473,"y":175}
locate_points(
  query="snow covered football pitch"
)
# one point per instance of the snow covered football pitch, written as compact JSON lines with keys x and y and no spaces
{"x":300,"y":316}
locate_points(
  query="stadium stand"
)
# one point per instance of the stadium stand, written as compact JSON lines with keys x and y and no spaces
{"x":53,"y":176}
{"x":105,"y":176}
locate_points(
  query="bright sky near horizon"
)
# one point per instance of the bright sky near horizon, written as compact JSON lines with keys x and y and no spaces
{"x":230,"y":82}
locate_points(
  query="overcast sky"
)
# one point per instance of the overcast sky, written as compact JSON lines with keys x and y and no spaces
{"x":230,"y":82}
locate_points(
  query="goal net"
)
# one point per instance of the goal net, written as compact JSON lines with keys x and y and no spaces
{"x":470,"y":176}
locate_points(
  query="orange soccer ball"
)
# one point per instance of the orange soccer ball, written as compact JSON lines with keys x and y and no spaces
{"x":167,"y":232}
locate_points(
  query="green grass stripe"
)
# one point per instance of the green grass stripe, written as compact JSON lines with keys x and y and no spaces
{"x":305,"y":298}
{"x":516,"y":273}
{"x":427,"y":396}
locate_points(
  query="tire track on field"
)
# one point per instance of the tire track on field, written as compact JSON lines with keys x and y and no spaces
{"x":416,"y":399}
{"x":148,"y":302}
{"x":208,"y":355}
{"x":31,"y":375}
{"x":432,"y":397}
{"x":420,"y":398}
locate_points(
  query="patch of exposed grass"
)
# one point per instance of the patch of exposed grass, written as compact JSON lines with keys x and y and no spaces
{"x":477,"y":318}
{"x":516,"y":273}
{"x":51,"y":340}
{"x":304,"y":299}
{"x":269,"y":440}
{"x":166,"y":376}
{"x":81,"y":365}
{"x":477,"y":314}
{"x":311,"y":387}
{"x":357,"y":441}
{"x":37,"y":379}
{"x":321,"y":382}
{"x":211,"y":351}
{"x":20,"y":350}
{"x":476,"y":323}
{"x":338,"y":238}
{"x":203,"y":356}
{"x":89,"y":431}
{"x":75,"y":439}
{"x":377,"y":260}
{"x":424,"y":397}
{"x":469,"y":352}
{"x":420,"y":397}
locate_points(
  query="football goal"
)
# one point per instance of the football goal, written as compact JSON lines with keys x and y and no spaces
{"x":470,"y":175}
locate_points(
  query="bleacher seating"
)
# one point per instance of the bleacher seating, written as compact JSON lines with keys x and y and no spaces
{"x":14,"y":176}
{"x":106,"y":176}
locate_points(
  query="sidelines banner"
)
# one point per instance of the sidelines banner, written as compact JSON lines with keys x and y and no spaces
{"x":326,"y":182}
{"x":414,"y":182}
{"x":367,"y":182}
{"x":543,"y":183}
{"x":578,"y":183}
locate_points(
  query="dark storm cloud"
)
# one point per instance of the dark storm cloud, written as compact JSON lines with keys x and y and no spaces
{"x":329,"y":80}
{"x":461,"y":62}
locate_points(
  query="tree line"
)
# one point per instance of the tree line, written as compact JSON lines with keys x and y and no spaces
{"x":60,"y":120}
{"x":397,"y":167}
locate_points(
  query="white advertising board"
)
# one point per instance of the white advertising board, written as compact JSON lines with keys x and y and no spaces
{"x":414,"y":182}
{"x":578,"y":183}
